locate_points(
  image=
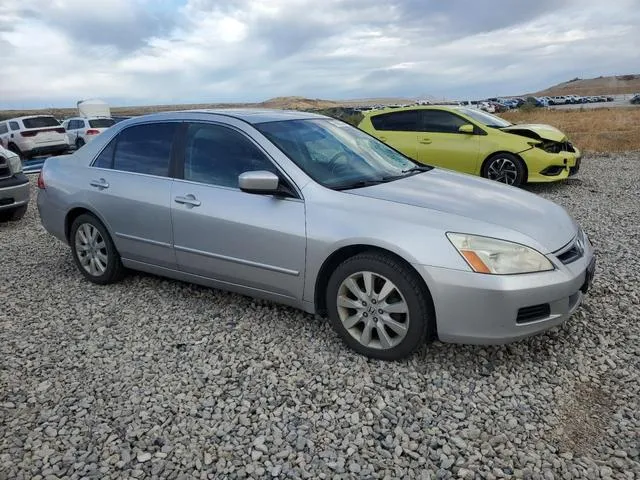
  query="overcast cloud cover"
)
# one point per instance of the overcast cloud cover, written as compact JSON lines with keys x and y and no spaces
{"x":55,"y":52}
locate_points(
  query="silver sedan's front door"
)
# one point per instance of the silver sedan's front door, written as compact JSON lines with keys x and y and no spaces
{"x":222,"y":233}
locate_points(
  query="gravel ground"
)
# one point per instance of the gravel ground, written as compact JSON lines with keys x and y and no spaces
{"x":152,"y":378}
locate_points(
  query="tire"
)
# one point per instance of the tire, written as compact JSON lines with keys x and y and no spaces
{"x":408,"y":331}
{"x":505,"y":168}
{"x":101,"y":262}
{"x":14,"y":214}
{"x":14,"y":148}
{"x":79,"y":143}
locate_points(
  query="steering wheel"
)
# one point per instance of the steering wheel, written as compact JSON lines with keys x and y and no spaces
{"x":331,"y":164}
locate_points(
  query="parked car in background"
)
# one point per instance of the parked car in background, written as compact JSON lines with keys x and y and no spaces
{"x":14,"y":186}
{"x":537,"y":102}
{"x":510,"y":103}
{"x":81,"y":131}
{"x":34,"y":135}
{"x":487,"y":107}
{"x":635,"y":100}
{"x":475,"y":142}
{"x":499,"y":107}
{"x":309,"y":211}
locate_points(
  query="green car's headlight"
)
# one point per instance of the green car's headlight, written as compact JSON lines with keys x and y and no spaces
{"x":498,"y":257}
{"x":15,"y":164}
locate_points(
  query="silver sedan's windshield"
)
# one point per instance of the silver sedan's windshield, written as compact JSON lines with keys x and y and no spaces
{"x":337,"y":155}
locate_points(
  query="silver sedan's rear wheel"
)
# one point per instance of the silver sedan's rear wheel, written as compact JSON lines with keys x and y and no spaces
{"x":505,"y":168}
{"x":93,"y":250}
{"x":372,"y":310}
{"x":379,"y":306}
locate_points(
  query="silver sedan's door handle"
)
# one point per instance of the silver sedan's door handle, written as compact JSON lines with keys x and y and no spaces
{"x":189,"y":200}
{"x":101,"y":183}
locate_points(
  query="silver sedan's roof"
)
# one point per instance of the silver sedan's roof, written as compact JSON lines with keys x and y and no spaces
{"x":258,"y":115}
{"x":250,"y":115}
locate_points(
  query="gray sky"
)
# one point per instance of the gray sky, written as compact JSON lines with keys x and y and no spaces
{"x":132,"y":52}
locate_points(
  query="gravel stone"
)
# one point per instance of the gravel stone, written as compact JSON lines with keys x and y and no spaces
{"x":143,"y":457}
{"x":152,"y":378}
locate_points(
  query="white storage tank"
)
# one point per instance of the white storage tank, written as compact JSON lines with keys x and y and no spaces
{"x":93,"y":108}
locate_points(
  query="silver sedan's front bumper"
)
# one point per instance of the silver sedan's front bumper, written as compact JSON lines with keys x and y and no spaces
{"x":484,"y":309}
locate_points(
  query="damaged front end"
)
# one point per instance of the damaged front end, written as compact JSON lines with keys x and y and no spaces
{"x":561,"y":155}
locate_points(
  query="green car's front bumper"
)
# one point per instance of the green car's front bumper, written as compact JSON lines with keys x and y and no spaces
{"x":544,"y":167}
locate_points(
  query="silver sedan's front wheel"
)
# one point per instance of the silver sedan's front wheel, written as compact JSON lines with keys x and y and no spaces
{"x":372,"y":310}
{"x":380,"y":306}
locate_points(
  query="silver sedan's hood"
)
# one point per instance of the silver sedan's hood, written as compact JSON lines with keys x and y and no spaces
{"x":482,"y":200}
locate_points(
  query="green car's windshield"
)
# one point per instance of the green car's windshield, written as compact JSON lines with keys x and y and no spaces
{"x":337,"y":155}
{"x":485,"y":118}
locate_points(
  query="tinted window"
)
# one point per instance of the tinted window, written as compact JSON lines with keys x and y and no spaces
{"x":14,"y":125}
{"x":217,"y":155}
{"x":105,"y":159}
{"x":40,"y":122}
{"x":405,"y":121}
{"x":440,"y":121}
{"x":101,"y":123}
{"x":145,"y":149}
{"x":3,"y":128}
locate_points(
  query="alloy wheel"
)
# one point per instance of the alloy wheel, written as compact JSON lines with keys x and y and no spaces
{"x":373,"y":310}
{"x":502,"y":170}
{"x":91,"y":249}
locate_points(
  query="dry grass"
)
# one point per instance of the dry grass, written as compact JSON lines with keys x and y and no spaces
{"x":592,"y":130}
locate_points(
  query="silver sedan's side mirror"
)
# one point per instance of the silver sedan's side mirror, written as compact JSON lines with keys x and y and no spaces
{"x":259,"y":181}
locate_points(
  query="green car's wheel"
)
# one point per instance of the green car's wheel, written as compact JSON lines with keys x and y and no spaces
{"x":505,"y":168}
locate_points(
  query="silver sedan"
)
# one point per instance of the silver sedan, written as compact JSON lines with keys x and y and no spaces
{"x":308,"y":211}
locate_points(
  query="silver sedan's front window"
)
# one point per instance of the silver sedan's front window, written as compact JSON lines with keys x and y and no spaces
{"x":336,"y":154}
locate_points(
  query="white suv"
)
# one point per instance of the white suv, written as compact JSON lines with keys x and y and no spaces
{"x":81,"y":130}
{"x":32,"y":136}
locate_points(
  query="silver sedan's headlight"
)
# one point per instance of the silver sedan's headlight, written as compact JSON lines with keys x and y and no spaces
{"x":499,"y":257}
{"x":15,"y":164}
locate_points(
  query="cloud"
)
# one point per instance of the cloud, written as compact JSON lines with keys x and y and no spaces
{"x":54,"y":52}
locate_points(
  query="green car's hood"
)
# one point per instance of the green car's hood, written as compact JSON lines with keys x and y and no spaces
{"x":537,"y":132}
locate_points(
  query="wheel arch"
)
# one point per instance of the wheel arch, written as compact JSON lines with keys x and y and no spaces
{"x":15,"y":146}
{"x":74,"y":213}
{"x":345,"y":252}
{"x":498,"y":152}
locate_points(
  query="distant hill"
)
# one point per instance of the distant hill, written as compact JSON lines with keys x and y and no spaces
{"x":282,"y":103}
{"x":613,"y":85}
{"x":296,"y":103}
{"x":302,"y":103}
